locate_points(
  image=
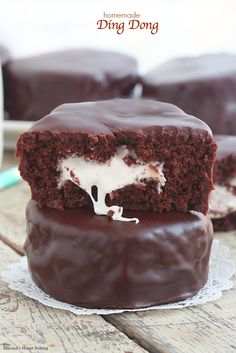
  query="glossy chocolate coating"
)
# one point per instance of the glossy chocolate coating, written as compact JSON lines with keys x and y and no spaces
{"x":92,"y":261}
{"x":115,"y":115}
{"x":193,"y":68}
{"x":204,"y":86}
{"x":36,"y":85}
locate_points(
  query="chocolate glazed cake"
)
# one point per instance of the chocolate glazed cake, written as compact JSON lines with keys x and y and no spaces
{"x":222,"y":209}
{"x":204,"y":86}
{"x":135,"y":154}
{"x":36,"y":85}
{"x":92,"y":261}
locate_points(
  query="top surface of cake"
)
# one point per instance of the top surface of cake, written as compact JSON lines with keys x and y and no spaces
{"x":105,"y":117}
{"x":193,"y":69}
{"x":226,"y":146}
{"x":98,"y":64}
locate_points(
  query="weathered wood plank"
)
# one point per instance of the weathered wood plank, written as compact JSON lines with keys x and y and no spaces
{"x":19,"y":249}
{"x":25,"y":322}
{"x":13,"y":201}
{"x":208,"y":328}
{"x":12,"y":206}
{"x":9,"y":160}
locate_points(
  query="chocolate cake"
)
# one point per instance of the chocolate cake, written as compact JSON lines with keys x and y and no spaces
{"x":92,"y":261}
{"x":204,"y":86}
{"x":223,"y":198}
{"x":135,"y":154}
{"x":36,"y":85}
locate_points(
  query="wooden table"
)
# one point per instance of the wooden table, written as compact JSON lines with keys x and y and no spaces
{"x":209,"y":328}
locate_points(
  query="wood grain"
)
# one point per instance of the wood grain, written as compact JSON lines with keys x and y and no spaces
{"x":13,"y":201}
{"x":19,"y":249}
{"x":25,"y":322}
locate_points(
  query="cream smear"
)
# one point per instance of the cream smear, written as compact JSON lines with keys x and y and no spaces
{"x":223,"y":200}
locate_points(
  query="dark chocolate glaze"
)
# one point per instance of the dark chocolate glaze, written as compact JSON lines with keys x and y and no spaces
{"x":108,"y":117}
{"x":36,"y":85}
{"x":204,"y":86}
{"x":92,"y":261}
{"x":193,"y":68}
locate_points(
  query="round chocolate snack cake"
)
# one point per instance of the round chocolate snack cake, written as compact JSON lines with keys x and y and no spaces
{"x":119,"y":190}
{"x":93,"y":261}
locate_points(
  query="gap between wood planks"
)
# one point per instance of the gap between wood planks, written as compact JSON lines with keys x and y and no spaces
{"x":145,"y":345}
{"x":17,"y":248}
{"x":134,"y":336}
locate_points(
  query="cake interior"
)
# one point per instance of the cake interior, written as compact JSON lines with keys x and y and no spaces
{"x":222,"y":207}
{"x":169,"y":169}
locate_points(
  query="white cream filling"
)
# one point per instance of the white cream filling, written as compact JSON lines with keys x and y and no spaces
{"x":222,"y":200}
{"x":233,"y":182}
{"x":109,"y":176}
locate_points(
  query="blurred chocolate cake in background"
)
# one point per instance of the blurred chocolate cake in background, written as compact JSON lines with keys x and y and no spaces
{"x":36,"y":85}
{"x":204,"y":86}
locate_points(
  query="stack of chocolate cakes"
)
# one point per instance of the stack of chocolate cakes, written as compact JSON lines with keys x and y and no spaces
{"x":203,"y":86}
{"x":120,"y":191}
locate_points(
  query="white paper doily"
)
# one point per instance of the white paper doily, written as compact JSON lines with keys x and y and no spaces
{"x":221,"y":271}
